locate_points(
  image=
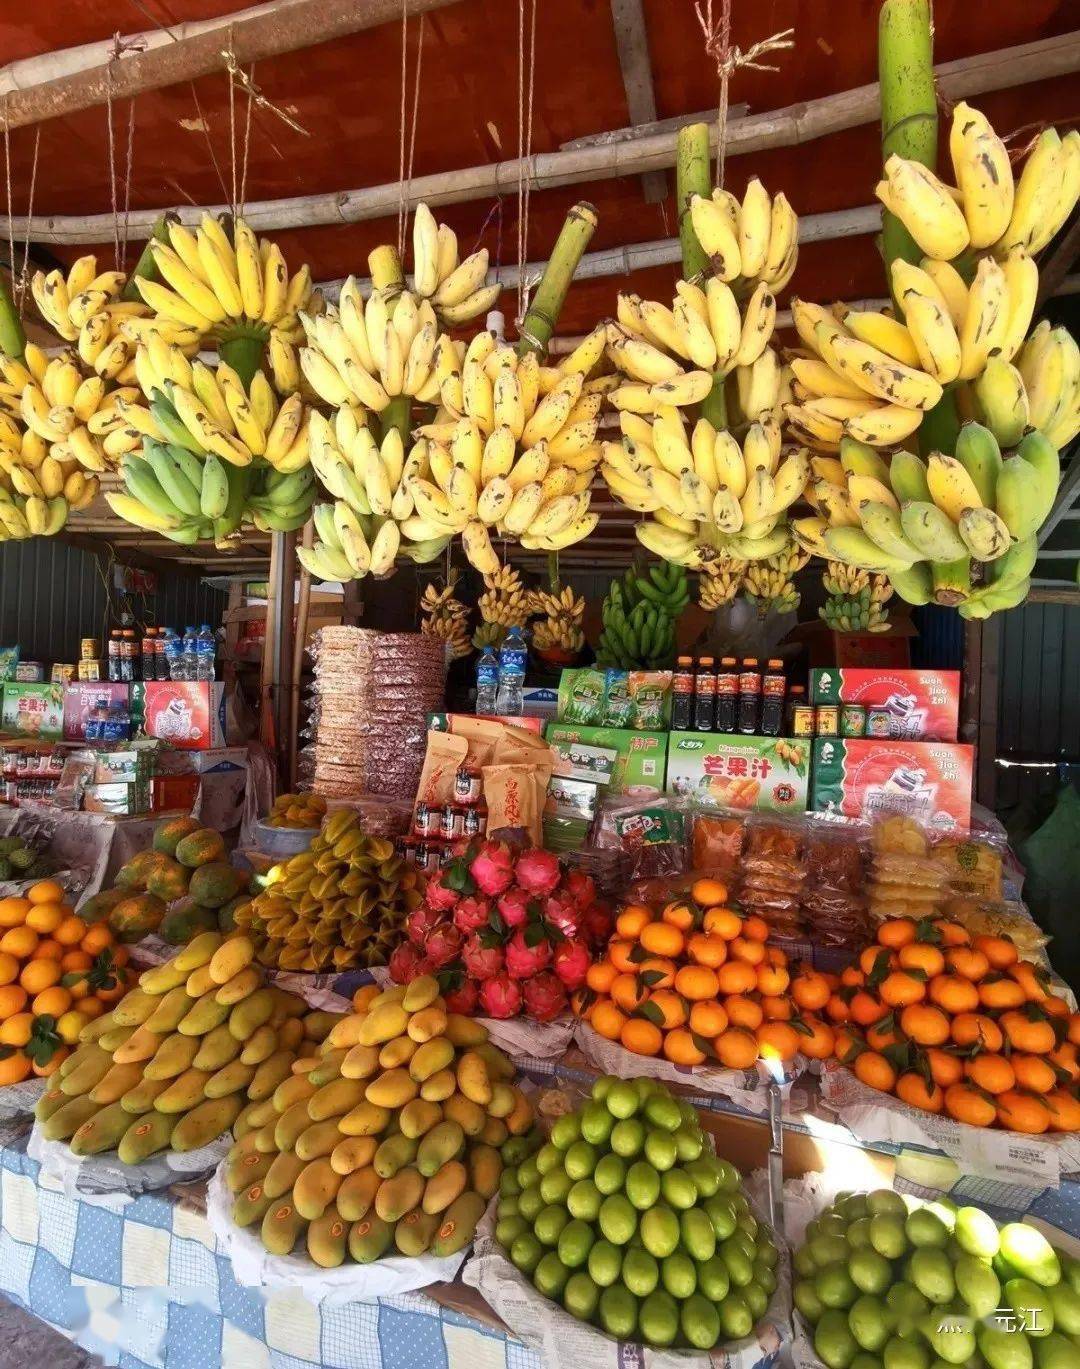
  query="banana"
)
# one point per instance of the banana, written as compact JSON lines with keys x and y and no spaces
{"x":695,"y":340}
{"x":882,"y":375}
{"x":725,"y":323}
{"x":884,"y":427}
{"x":783,"y":250}
{"x":833,"y":502}
{"x":476,"y":542}
{"x":1021,"y":290}
{"x":936,"y":342}
{"x":665,"y":542}
{"x":1003,"y":401}
{"x":275,"y":283}
{"x":718,"y":240}
{"x":855,"y":548}
{"x":984,"y":534}
{"x":817,"y":378}
{"x":810,"y":535}
{"x":887,"y":334}
{"x":462,"y":282}
{"x":983,"y":174}
{"x":924,"y":206}
{"x":978,"y":452}
{"x":931,"y":530}
{"x":861,"y":488}
{"x":759,"y":320}
{"x":881,"y":523}
{"x":1036,"y":196}
{"x":173,"y":478}
{"x":951,"y":488}
{"x":425,"y":251}
{"x":690,"y":387}
{"x":132,"y":510}
{"x":755,"y":216}
{"x":986,"y":322}
{"x":573,"y":532}
{"x":1027,"y":485}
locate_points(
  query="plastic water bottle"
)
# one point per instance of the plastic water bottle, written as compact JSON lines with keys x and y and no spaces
{"x":513,"y":655}
{"x":487,"y":681}
{"x":173,"y":656}
{"x":191,"y":658}
{"x":206,"y":648}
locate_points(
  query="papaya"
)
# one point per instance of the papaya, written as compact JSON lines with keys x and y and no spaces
{"x":201,"y":847}
{"x":353,"y":1153}
{"x":175,"y":1055}
{"x":185,"y":1092}
{"x":65,"y":1121}
{"x":136,"y":917}
{"x":215,"y":883}
{"x":100,"y":1132}
{"x":133,"y":875}
{"x":285,"y":1169}
{"x":415,"y":1232}
{"x":216,"y":1049}
{"x":327,"y":1238}
{"x":202,"y":1124}
{"x":446,"y":1184}
{"x":317,"y":1140}
{"x":185,"y":920}
{"x":397,"y":1195}
{"x":315,"y":1188}
{"x":168,"y":834}
{"x":282,"y":1227}
{"x":370,"y":1238}
{"x":98,"y":907}
{"x":168,"y":880}
{"x":357,"y":1193}
{"x":458,"y":1224}
{"x":145,"y":1136}
{"x":249,"y":1167}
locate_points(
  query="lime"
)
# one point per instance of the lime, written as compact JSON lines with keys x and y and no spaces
{"x":976,"y":1232}
{"x":527,"y":1173}
{"x":884,"y":1202}
{"x":945,"y":1210}
{"x":618,"y":1312}
{"x":584,"y":1200}
{"x":698,"y":1236}
{"x":712,"y":1279}
{"x":700,"y":1322}
{"x":923,"y":1228}
{"x":831,"y":1224}
{"x":756,"y":1299}
{"x":721,"y":1212}
{"x":547,"y":1158}
{"x":767,"y":1253}
{"x":907,"y":1305}
{"x":508,"y":1229}
{"x":858,"y":1233}
{"x":835,"y":1345}
{"x":729,"y":1176}
{"x":640,"y":1272}
{"x":661,"y":1110}
{"x":660,"y":1231}
{"x":803,"y":1262}
{"x":739,"y":1240}
{"x":870,"y":1321}
{"x":575,"y":1242}
{"x":610,"y":1174}
{"x":617,"y":1219}
{"x":739,"y":1266}
{"x":834,"y":1286}
{"x":678,"y":1189}
{"x":596,"y":1123}
{"x":689,"y":1141}
{"x":605,"y":1262}
{"x":740,"y":1202}
{"x":580,"y":1160}
{"x":863,"y":1360}
{"x":555,"y":1185}
{"x":530,"y":1202}
{"x":807,"y":1300}
{"x":549,"y":1224}
{"x":658,"y":1318}
{"x":852,"y":1206}
{"x":550,"y":1275}
{"x":580,"y":1296}
{"x":829,"y":1249}
{"x":526,"y":1252}
{"x":627,"y":1137}
{"x":705,"y":1174}
{"x":978,"y":1286}
{"x":623,"y":1099}
{"x":660,"y":1149}
{"x":603,"y":1086}
{"x":508,"y":1184}
{"x":1056,"y":1352}
{"x":1032,"y":1305}
{"x":509,"y":1207}
{"x":888,"y":1236}
{"x":647,"y":1087}
{"x":1030,"y":1253}
{"x":905,"y":1354}
{"x":642,"y":1185}
{"x":736,"y":1319}
{"x":565,"y":1130}
{"x":678,"y":1274}
{"x":764,"y":1277}
{"x":870,"y":1272}
{"x":932,"y":1275}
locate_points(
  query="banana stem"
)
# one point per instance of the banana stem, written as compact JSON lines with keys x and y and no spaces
{"x":952,"y":581}
{"x":553,"y":570}
{"x":714,"y":405}
{"x":386,"y":269}
{"x":547,"y":301}
{"x":397,"y":415}
{"x":12,"y":337}
{"x":146,"y":267}
{"x":908,"y":104}
{"x":243,"y":351}
{"x":692,"y":177}
{"x":940,"y":427}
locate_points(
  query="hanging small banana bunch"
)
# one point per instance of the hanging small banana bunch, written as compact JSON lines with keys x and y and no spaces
{"x":720,"y":581}
{"x":455,"y":288}
{"x":562,"y":626}
{"x":505,"y":603}
{"x":770,"y":584}
{"x":36,"y":490}
{"x":755,"y":241}
{"x":446,"y":617}
{"x":856,"y":601}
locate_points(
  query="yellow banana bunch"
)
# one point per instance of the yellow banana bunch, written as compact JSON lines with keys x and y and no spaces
{"x":561,"y":629}
{"x":505,"y":602}
{"x":719,"y":582}
{"x":1049,"y":368}
{"x":457,"y":289}
{"x":770,"y":584}
{"x":752,"y":241}
{"x":214,"y":285}
{"x":446,"y":617}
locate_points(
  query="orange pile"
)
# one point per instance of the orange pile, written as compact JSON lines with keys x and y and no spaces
{"x":694,"y":981}
{"x":57,"y":972}
{"x":959,"y":1024}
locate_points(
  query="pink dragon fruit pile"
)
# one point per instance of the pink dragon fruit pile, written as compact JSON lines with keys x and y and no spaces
{"x":506,"y":933}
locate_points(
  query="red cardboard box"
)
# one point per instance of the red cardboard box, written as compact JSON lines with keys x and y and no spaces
{"x":924,"y":705}
{"x":189,"y":714}
{"x":81,"y":698}
{"x":866,"y":777}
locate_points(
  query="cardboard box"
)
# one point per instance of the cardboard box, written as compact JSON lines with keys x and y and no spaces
{"x":889,"y":650}
{"x":729,"y":770}
{"x":576,"y":761}
{"x":188,"y":714}
{"x":33,"y":710}
{"x":865,"y":776}
{"x":81,"y":699}
{"x":924,"y":705}
{"x":119,"y":799}
{"x":539,"y":701}
{"x":639,"y":756}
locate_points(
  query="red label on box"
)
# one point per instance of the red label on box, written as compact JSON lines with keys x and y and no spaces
{"x":923,"y":705}
{"x":863,"y":777}
{"x":186,"y":714}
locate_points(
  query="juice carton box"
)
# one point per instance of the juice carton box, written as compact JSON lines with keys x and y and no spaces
{"x":639,"y":760}
{"x":729,"y":770}
{"x":80,"y":699}
{"x":866,"y":776}
{"x":33,"y":710}
{"x":923,"y":705}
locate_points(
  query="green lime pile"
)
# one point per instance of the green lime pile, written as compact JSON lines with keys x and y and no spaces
{"x":889,"y":1283}
{"x":627,"y":1220}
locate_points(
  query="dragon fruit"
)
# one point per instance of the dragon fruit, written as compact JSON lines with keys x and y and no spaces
{"x":560,"y":911}
{"x":571,"y":963}
{"x":538,"y":871}
{"x":421,"y":923}
{"x":438,"y":894}
{"x":545,"y":996}
{"x":523,"y":960}
{"x":493,"y":868}
{"x":471,"y":914}
{"x":465,"y":999}
{"x":581,"y":888}
{"x":514,"y":907}
{"x":406,"y":963}
{"x":500,"y":997}
{"x":481,"y":962}
{"x":443,"y":945}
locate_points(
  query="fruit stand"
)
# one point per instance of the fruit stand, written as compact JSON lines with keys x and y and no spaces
{"x":587,"y":936}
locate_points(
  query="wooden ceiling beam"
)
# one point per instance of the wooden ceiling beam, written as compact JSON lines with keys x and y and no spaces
{"x":148,"y":63}
{"x":632,"y":46}
{"x":792,"y":126}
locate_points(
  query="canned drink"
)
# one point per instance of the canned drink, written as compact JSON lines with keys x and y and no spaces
{"x":89,"y":649}
{"x":467,"y":786}
{"x":452,"y":823}
{"x":827,"y":720}
{"x":471,"y":826}
{"x":852,"y":720}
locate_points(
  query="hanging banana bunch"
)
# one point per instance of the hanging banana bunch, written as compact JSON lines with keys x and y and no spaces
{"x":446,"y":617}
{"x":856,"y":601}
{"x":563,"y":617}
{"x":505,"y":603}
{"x":720,"y":581}
{"x":770,"y":584}
{"x":755,"y":241}
{"x":455,"y":288}
{"x":709,"y":496}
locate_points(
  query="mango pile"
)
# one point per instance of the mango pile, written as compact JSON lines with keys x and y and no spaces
{"x":886,"y":1278}
{"x":175,"y":1062}
{"x":297,"y":811}
{"x":182,"y":886}
{"x":387,"y":1141}
{"x":341,"y":903}
{"x":627,"y":1220}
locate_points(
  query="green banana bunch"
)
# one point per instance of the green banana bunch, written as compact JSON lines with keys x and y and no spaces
{"x":638,"y":618}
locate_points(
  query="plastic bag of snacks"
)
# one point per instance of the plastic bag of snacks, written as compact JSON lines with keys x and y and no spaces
{"x":972,"y":867}
{"x":833,"y":898}
{"x":906,"y":880}
{"x":717,"y":843}
{"x":986,"y":917}
{"x":651,"y":832}
{"x":773,"y":871}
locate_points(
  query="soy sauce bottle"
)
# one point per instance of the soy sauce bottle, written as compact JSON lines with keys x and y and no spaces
{"x":682,"y":695}
{"x":727,"y":695}
{"x":773,"y":691}
{"x":704,"y":695}
{"x":749,"y":696}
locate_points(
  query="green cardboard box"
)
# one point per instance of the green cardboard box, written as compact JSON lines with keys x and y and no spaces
{"x":33,"y":710}
{"x":722,"y":770}
{"x":639,"y":756}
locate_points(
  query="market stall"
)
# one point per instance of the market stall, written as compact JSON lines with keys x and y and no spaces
{"x":581,"y":930}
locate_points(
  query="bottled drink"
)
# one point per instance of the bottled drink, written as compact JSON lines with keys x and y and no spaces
{"x":174,"y":656}
{"x":190,"y":660}
{"x":487,"y":681}
{"x":773,"y":690}
{"x":114,"y":654}
{"x":206,"y":648}
{"x":749,"y":696}
{"x":682,"y":695}
{"x":161,"y":665}
{"x":148,"y":640}
{"x":727,"y":695}
{"x":513,"y":655}
{"x":128,"y":654}
{"x":705,"y":695}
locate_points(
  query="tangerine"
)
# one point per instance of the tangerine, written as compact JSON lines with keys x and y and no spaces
{"x":661,"y":938}
{"x":14,"y":1068}
{"x":924,"y":1024}
{"x":777,"y":1008}
{"x":777,"y":1041}
{"x":989,"y":1072}
{"x":1056,"y":1007}
{"x":998,"y":991}
{"x":755,"y":928}
{"x":870,"y":957}
{"x":896,"y":932}
{"x":655,"y":965}
{"x":847,"y":1045}
{"x":47,"y":949}
{"x":736,"y":1049}
{"x":606,"y":1019}
{"x":72,"y":930}
{"x":742,"y":1012}
{"x":98,"y":938}
{"x":752,"y":952}
{"x":954,"y":993}
{"x":599,"y":977}
{"x":681,"y":1049}
{"x":45,"y":891}
{"x":618,"y":952}
{"x":1035,"y":1036}
{"x":9,"y":968}
{"x":968,"y":962}
{"x":45,"y":917}
{"x":865,"y":1008}
{"x":709,"y":892}
{"x":945,"y":1069}
{"x":817,"y":1040}
{"x":631,"y":920}
{"x":1000,"y":951}
{"x":641,"y":1037}
{"x":1074,"y":1029}
{"x":913,"y":1089}
{"x":772,"y":980}
{"x":952,"y":933}
{"x":1017,"y":1111}
{"x":627,"y":993}
{"x":708,"y":1019}
{"x":836,"y":1009}
{"x":1026,"y":976}
{"x":851,"y":977}
{"x":89,"y":1007}
{"x":899,"y":989}
{"x":52,"y":1002}
{"x":1065,"y":1059}
{"x":19,"y":941}
{"x":70,"y":961}
{"x":1033,"y":1072}
{"x":40,"y":974}
{"x":15,"y":1030}
{"x":671,"y":1005}
{"x":706,"y":948}
{"x":920,"y":955}
{"x":873,"y":1069}
{"x":965,"y":1103}
{"x":1064,"y":1110}
{"x":976,"y":1029}
{"x":736,"y":976}
{"x":810,"y":990}
{"x":724,"y":922}
{"x":13,"y":911}
{"x":59,"y":1055}
{"x":13,"y":998}
{"x":697,"y":982}
{"x":878,"y":1039}
{"x":679,"y":915}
